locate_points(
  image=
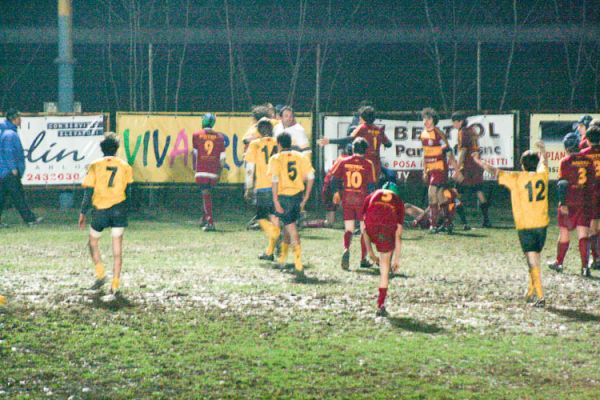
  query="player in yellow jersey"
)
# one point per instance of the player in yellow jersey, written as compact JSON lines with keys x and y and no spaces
{"x":289,"y":170}
{"x":259,"y":183}
{"x":529,"y":198}
{"x":105,"y":186}
{"x":3,"y":300}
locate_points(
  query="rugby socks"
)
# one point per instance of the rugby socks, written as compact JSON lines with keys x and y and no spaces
{"x":207,"y":200}
{"x":382,"y":296}
{"x":530,"y":288}
{"x":115,"y":284}
{"x":363,"y":247}
{"x":283,"y":254}
{"x":583,"y":251}
{"x":347,"y":239}
{"x":460,"y":210}
{"x":298,"y":258}
{"x":595,"y":248}
{"x":561,"y":251}
{"x":100,"y":273}
{"x":272,"y":233}
{"x":537,"y":281}
{"x":435,"y":211}
{"x":484,"y":212}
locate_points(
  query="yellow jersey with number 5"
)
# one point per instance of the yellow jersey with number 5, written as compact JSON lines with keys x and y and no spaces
{"x":109,"y":177}
{"x":290,"y":169}
{"x":529,"y":197}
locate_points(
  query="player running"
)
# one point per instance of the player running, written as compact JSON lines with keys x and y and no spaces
{"x":383,"y":211}
{"x":576,"y":177}
{"x":209,"y":150}
{"x":289,"y":170}
{"x":353,"y":178}
{"x":593,"y":152}
{"x":259,"y":183}
{"x":106,"y":185}
{"x":529,"y":198}
{"x":468,"y":173}
{"x":436,"y":155}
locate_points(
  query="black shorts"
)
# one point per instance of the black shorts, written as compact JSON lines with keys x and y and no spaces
{"x":113,"y":217}
{"x":264,"y":204}
{"x":291,"y":208}
{"x":532,"y":239}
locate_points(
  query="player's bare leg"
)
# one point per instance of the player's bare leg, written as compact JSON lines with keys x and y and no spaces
{"x":348,"y":233}
{"x":433,"y":195}
{"x":364,"y":261}
{"x":321,"y":223}
{"x":583,"y":234}
{"x":561,"y":250}
{"x":117,"y":247}
{"x":595,"y":243}
{"x":535,"y":279}
{"x":384,"y":281}
{"x":208,"y":210}
{"x":94,"y":247}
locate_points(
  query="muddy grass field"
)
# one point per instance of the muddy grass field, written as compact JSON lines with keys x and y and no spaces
{"x":201,"y":317}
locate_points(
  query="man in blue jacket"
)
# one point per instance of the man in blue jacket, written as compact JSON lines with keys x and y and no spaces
{"x":12,"y":167}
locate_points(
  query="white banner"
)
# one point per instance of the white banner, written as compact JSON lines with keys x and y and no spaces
{"x":496,"y":140}
{"x":59,"y":149}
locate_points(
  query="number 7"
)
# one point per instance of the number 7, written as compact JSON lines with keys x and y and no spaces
{"x":113,"y":172}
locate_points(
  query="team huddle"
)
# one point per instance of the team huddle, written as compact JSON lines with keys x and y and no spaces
{"x":280,"y":178}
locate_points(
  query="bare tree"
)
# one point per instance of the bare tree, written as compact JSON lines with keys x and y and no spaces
{"x":182,"y":58}
{"x":510,"y":54}
{"x":434,"y":53}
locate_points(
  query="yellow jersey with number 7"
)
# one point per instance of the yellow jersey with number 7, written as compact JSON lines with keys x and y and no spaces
{"x":109,"y":177}
{"x":529,"y":197}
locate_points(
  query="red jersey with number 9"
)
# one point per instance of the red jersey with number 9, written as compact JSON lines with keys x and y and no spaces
{"x":383,"y":207}
{"x":578,"y":170}
{"x":375,"y":137}
{"x":356,"y":173}
{"x":209,"y":146}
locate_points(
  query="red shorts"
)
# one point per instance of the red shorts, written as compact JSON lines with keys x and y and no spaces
{"x":353,"y":213}
{"x":383,"y":236}
{"x":473,"y":176}
{"x":206,"y":182}
{"x":327,"y":196}
{"x":578,"y":216}
{"x":437,"y":177}
{"x":596,"y":208}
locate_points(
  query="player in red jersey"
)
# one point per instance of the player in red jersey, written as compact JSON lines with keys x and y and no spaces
{"x":353,"y":178}
{"x":593,"y":152}
{"x":436,"y":155}
{"x":575,"y":185}
{"x":209,"y":151}
{"x":468,"y":173}
{"x":582,"y":126}
{"x":383,"y":212}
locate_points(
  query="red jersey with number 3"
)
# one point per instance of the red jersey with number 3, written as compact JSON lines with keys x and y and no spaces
{"x":356,"y":173}
{"x":578,"y":170}
{"x":375,"y":137}
{"x":593,"y":153}
{"x":383,"y":207}
{"x":210,"y":148}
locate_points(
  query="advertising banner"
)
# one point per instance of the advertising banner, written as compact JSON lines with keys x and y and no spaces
{"x":552,"y":128}
{"x":159,"y":146}
{"x":496,"y":140}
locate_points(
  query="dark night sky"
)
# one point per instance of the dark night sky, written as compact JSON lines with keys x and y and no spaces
{"x":395,"y":77}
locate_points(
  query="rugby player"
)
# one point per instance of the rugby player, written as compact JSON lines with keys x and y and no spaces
{"x":576,"y":176}
{"x":436,"y":155}
{"x":468,"y":173}
{"x":106,"y":185}
{"x":289,"y":170}
{"x":529,"y":198}
{"x":353,"y":178}
{"x":209,"y":150}
{"x":259,"y":182}
{"x":582,"y":126}
{"x":383,"y":212}
{"x":593,"y":152}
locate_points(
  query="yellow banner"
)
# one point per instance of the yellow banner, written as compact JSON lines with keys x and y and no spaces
{"x":551,"y":128}
{"x":159,"y":146}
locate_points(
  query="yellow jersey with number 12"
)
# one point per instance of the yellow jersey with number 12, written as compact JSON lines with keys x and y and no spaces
{"x":109,"y":177}
{"x":529,"y":197}
{"x":290,"y":168}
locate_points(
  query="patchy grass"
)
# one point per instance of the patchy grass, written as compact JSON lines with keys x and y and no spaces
{"x":203,"y":318}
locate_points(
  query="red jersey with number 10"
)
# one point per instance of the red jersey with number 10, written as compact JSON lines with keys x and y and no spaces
{"x":356,"y":173}
{"x":578,"y":170}
{"x":383,"y":207}
{"x":209,"y":146}
{"x":375,"y":137}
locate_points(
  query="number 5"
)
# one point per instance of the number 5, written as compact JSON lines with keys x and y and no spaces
{"x":292,"y":171}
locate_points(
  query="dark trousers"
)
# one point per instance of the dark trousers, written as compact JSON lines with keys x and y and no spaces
{"x":11,"y":186}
